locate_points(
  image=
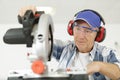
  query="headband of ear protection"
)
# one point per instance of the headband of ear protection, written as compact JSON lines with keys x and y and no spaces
{"x":100,"y":34}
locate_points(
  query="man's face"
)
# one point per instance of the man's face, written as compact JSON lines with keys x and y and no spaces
{"x":84,"y":36}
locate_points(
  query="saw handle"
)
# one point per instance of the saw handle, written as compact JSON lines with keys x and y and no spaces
{"x":36,"y":15}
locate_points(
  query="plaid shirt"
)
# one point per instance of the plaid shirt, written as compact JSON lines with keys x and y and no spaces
{"x":65,"y":54}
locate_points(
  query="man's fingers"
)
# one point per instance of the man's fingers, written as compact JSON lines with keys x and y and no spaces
{"x":24,"y":9}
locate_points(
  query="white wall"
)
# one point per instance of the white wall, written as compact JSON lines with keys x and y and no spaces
{"x":14,"y":56}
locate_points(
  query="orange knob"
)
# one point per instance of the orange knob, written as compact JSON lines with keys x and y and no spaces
{"x":38,"y":67}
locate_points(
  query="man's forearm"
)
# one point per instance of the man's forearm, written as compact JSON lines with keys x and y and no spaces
{"x":110,"y":70}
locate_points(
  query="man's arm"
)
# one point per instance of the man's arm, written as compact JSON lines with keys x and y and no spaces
{"x":108,"y":69}
{"x":58,"y":47}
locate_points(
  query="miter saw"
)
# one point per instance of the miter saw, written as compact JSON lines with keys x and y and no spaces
{"x":37,"y":32}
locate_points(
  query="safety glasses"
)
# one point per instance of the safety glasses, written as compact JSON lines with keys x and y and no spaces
{"x":84,"y":29}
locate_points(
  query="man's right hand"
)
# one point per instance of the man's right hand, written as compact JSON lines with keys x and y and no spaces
{"x":24,"y":9}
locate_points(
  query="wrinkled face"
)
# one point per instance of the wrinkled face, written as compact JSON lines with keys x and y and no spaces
{"x":84,"y":36}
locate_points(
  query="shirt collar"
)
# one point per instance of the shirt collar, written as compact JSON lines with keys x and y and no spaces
{"x":93,"y":51}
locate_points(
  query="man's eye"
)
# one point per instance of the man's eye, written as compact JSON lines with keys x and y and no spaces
{"x":88,"y":31}
{"x":78,"y":28}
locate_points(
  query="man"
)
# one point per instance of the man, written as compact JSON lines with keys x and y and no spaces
{"x":100,"y":62}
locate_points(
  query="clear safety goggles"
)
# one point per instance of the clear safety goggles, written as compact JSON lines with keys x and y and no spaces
{"x":84,"y":29}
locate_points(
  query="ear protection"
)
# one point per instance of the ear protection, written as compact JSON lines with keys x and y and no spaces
{"x":100,"y":34}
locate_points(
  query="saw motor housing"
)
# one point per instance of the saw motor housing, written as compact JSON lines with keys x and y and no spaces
{"x":36,"y":33}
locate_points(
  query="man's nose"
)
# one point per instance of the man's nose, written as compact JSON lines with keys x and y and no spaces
{"x":81,"y":33}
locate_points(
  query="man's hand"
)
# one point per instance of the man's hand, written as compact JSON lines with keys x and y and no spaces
{"x":24,"y":9}
{"x":93,"y":67}
{"x":108,"y":69}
